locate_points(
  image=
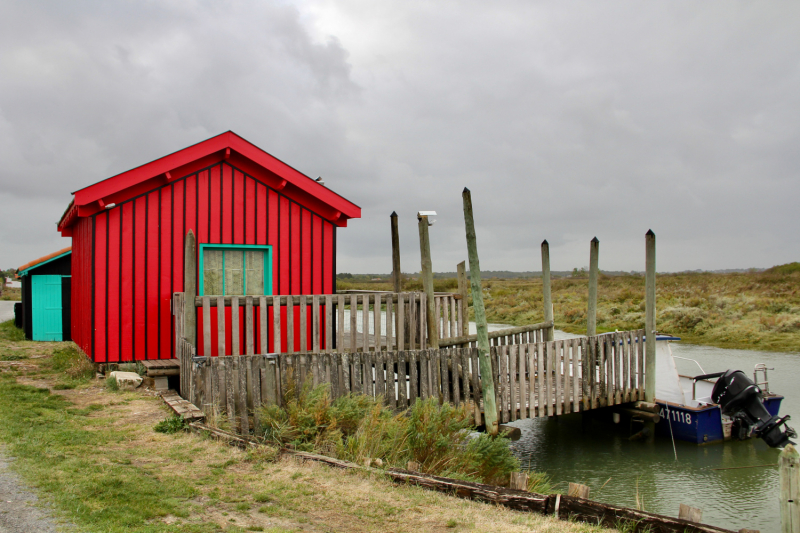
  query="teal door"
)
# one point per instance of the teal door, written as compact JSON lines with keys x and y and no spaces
{"x":46,"y":304}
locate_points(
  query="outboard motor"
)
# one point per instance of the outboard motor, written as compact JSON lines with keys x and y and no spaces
{"x":742,"y":400}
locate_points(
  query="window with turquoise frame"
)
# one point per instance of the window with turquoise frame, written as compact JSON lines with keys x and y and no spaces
{"x":235,"y":269}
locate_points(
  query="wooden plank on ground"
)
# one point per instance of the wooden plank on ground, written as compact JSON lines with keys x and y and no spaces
{"x":181,"y":407}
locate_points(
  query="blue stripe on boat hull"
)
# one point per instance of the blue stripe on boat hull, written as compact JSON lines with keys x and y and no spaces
{"x":701,"y":426}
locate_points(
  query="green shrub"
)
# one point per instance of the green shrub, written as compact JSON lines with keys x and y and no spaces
{"x":171,"y":424}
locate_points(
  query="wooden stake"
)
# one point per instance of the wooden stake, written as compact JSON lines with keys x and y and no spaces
{"x":396,"y":281}
{"x":487,"y":381}
{"x":789,"y":462}
{"x":427,"y":282}
{"x":463,"y":287}
{"x":692,"y":514}
{"x":591,"y":311}
{"x":548,"y":298}
{"x":190,"y":289}
{"x":650,"y":318}
{"x":577,"y":490}
{"x":518,"y":481}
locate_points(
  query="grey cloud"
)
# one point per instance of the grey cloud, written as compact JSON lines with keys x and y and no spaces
{"x":567,"y":120}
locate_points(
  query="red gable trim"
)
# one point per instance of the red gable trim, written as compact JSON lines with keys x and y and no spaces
{"x":227,"y":146}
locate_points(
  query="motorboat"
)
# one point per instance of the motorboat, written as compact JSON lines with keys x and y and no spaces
{"x":718,"y":406}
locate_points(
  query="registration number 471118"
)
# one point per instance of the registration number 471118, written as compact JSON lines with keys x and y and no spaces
{"x":676,"y":416}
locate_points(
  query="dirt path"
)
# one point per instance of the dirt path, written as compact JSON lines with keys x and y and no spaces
{"x":19,"y":512}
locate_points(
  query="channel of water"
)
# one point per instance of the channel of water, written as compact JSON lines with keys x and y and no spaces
{"x":621,"y":472}
{"x":647,"y":475}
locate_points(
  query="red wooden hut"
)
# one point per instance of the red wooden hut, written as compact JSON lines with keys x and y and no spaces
{"x":261,"y":226}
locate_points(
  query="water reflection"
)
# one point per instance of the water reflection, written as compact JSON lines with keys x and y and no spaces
{"x":618,"y":471}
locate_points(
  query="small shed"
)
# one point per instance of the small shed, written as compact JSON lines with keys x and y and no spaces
{"x":46,"y":297}
{"x":261,"y":227}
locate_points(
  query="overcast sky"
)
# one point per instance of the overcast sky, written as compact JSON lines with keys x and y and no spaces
{"x":566,"y":119}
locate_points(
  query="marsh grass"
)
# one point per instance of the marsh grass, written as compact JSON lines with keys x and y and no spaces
{"x":750,"y":310}
{"x":11,"y":294}
{"x":355,"y":427}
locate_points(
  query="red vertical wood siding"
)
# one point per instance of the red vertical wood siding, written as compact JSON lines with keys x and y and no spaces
{"x":128,"y":260}
{"x":80,"y":308}
{"x":100,"y":276}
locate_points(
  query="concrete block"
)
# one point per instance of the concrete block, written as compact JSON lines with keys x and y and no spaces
{"x":160,"y":383}
{"x":126,"y":380}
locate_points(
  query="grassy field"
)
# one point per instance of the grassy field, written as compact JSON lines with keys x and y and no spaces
{"x":753,"y":310}
{"x":93,"y":454}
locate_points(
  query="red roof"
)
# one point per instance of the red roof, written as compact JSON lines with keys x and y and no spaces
{"x":225,"y":147}
{"x":47,"y":257}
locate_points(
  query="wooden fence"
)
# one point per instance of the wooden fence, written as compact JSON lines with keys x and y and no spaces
{"x":342,"y":322}
{"x":531,"y":380}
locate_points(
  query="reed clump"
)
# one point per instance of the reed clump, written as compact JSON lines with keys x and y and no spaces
{"x":439,"y":438}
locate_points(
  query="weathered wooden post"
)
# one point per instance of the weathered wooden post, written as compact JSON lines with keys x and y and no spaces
{"x":578,"y":490}
{"x":591,"y":310}
{"x":518,"y":481}
{"x":427,"y":281}
{"x":190,"y":288}
{"x":427,"y":286}
{"x":461,"y":269}
{"x":650,"y":317}
{"x":487,"y":381}
{"x":789,"y":464}
{"x":395,"y":253}
{"x":548,"y":297}
{"x":692,"y":514}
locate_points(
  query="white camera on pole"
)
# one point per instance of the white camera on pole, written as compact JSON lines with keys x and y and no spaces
{"x":427,"y":214}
